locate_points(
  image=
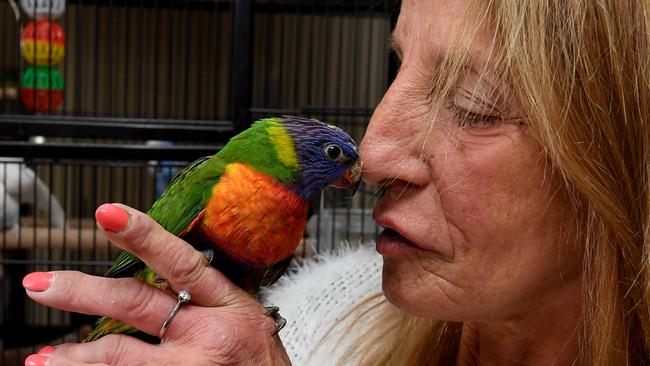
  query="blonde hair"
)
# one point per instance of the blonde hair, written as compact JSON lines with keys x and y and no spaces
{"x":580,"y":70}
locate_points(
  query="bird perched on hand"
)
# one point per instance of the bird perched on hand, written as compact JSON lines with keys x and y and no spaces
{"x":247,"y":205}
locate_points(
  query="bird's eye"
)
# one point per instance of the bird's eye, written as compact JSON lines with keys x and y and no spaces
{"x":334,"y":153}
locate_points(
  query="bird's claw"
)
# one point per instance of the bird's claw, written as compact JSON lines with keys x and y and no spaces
{"x":274,"y":312}
{"x":159,"y":279}
{"x":208,"y":254}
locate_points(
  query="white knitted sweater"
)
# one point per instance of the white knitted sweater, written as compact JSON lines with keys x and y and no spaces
{"x":319,"y":294}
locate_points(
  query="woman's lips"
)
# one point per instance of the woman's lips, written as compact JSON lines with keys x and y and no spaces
{"x":391,"y":243}
{"x":405,"y":234}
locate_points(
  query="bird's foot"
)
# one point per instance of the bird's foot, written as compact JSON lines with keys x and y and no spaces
{"x":274,"y":313}
{"x":208,"y":254}
{"x":159,"y":281}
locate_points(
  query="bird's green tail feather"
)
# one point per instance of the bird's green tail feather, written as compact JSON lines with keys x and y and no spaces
{"x":106,"y":326}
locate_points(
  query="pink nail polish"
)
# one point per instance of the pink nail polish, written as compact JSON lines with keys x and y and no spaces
{"x":46,"y":349}
{"x":112,"y":217}
{"x":36,"y":360}
{"x":37,"y":281}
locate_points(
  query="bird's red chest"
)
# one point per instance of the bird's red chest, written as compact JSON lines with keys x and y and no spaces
{"x":254,"y":218}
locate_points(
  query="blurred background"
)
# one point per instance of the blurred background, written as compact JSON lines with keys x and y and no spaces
{"x":105,"y":100}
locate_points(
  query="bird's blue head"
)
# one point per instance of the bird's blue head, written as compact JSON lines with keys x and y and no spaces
{"x":326,"y":155}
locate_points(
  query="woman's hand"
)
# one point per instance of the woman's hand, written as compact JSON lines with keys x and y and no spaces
{"x":221,"y":325}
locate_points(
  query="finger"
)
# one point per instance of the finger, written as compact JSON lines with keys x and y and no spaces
{"x":56,"y":360}
{"x":126,"y":299}
{"x":110,"y":350}
{"x":171,"y":257}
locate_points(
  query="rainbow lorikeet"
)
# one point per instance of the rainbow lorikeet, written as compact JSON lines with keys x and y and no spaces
{"x":247,"y":205}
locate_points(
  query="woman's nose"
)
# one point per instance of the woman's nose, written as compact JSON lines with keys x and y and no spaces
{"x":377,"y":148}
{"x":388,"y":149}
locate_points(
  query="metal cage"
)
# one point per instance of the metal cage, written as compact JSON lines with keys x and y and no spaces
{"x":149,"y":85}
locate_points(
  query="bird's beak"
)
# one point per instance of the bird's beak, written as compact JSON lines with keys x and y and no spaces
{"x":351,"y":178}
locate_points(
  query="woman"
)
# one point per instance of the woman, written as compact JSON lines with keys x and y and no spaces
{"x":513,"y":146}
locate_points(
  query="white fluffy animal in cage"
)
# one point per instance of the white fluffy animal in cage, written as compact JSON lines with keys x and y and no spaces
{"x":9,"y":209}
{"x":21,"y":186}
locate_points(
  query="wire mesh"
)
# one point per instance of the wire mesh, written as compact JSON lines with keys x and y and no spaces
{"x":47,"y":209}
{"x":149,"y":86}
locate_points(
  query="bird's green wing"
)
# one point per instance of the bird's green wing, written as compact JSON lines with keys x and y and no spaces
{"x":180,"y":204}
{"x":125,"y":265}
{"x":187,"y":194}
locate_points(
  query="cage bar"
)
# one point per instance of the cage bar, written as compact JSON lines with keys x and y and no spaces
{"x":190,"y":73}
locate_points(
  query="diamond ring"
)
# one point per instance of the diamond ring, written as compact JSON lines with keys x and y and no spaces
{"x":183,"y":297}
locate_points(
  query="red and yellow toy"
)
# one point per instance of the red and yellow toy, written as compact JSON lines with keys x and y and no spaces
{"x":42,"y":88}
{"x":43,"y":43}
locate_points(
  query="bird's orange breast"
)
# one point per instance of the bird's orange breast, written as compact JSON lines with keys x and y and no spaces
{"x":253,"y":217}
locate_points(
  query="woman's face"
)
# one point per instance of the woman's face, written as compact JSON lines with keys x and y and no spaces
{"x":474,"y":215}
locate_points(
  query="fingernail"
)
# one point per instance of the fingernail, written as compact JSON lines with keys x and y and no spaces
{"x":46,"y":349}
{"x":36,"y":360}
{"x":112,"y":217}
{"x":37,"y":281}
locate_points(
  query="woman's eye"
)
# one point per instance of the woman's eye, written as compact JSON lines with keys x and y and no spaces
{"x":334,"y":152}
{"x":468,"y":119}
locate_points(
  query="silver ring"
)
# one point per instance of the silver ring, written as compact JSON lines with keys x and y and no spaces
{"x":183,"y":297}
{"x":274,"y":313}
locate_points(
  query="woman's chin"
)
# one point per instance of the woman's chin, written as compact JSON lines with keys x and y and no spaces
{"x":412,"y":306}
{"x":413,"y":296}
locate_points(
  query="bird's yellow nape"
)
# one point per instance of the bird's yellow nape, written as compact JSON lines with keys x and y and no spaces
{"x":283,"y":145}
